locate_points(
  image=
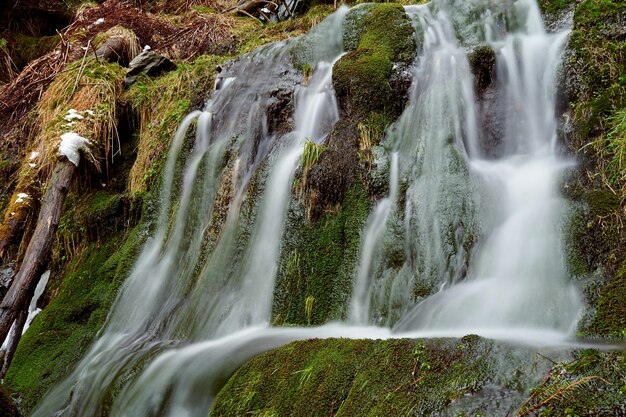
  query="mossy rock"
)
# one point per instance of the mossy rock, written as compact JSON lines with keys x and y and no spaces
{"x":596,"y":65}
{"x":549,"y":7}
{"x":384,"y":25}
{"x":354,"y":378}
{"x":318,"y":261}
{"x":482,"y":60}
{"x":361,"y":81}
{"x":380,"y":36}
{"x":610,"y":317}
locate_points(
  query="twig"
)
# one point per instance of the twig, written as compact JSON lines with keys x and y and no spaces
{"x":80,"y":72}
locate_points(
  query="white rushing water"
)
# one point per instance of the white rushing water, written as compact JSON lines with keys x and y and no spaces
{"x":477,"y":236}
{"x":517,"y":276}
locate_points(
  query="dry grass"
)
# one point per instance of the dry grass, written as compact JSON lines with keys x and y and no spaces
{"x":91,"y":88}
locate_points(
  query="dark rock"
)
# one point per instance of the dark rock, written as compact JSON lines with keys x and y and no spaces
{"x":330,"y":178}
{"x":148,"y":63}
{"x":115,"y":49}
{"x":482,"y":61}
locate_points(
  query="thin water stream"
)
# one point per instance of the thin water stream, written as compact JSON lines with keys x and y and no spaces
{"x":479,"y":235}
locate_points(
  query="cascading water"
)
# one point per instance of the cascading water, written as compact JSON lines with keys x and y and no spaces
{"x":198,"y":302}
{"x":517,"y":276}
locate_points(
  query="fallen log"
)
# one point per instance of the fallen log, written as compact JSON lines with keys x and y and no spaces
{"x":14,"y":339}
{"x":38,"y":251}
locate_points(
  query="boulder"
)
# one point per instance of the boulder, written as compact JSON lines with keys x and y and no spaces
{"x":148,"y":63}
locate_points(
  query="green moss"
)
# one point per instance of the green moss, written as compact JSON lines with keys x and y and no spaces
{"x":601,"y":202}
{"x":383,"y":35}
{"x":554,"y":6}
{"x":356,"y":378}
{"x":597,"y":65}
{"x":361,"y":78}
{"x":482,"y":61}
{"x":28,"y":48}
{"x":62,"y":332}
{"x":596,"y":85}
{"x":610,"y":317}
{"x":388,"y":27}
{"x":319,"y":264}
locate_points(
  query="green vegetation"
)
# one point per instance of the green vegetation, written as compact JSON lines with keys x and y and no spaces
{"x":318,"y":265}
{"x":597,"y":87}
{"x":342,"y":377}
{"x":161,"y":104}
{"x":380,"y":37}
{"x":554,"y":6}
{"x":311,"y":154}
{"x":64,"y":330}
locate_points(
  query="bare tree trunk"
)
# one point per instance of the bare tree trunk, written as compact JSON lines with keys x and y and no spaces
{"x":38,"y":250}
{"x":14,"y":339}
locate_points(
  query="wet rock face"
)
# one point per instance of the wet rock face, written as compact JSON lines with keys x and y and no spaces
{"x":330,"y":178}
{"x":490,"y":100}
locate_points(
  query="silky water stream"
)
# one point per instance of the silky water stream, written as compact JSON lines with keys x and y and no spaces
{"x":478,"y":226}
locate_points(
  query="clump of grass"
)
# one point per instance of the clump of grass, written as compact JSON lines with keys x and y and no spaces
{"x":133,"y":46}
{"x":611,"y":148}
{"x":308,"y":308}
{"x":310,"y":156}
{"x":91,"y":88}
{"x":161,"y":104}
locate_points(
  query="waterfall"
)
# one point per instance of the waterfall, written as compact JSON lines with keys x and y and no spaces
{"x":476,"y":233}
{"x":517,"y":276}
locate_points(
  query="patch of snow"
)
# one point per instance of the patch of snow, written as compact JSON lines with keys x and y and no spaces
{"x":146,"y":48}
{"x":21,"y":197}
{"x":32,"y":165}
{"x":33,"y":155}
{"x":89,"y":112}
{"x":99,"y":21}
{"x":73,"y":114}
{"x":71,"y":144}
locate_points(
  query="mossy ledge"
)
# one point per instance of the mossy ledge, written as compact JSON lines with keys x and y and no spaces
{"x":342,"y":377}
{"x":464,"y":377}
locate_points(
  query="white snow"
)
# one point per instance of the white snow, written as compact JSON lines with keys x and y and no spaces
{"x":33,"y":155}
{"x":71,"y":144}
{"x":146,"y":48}
{"x":99,"y":21}
{"x":32,"y":165}
{"x":21,"y":197}
{"x":73,"y":114}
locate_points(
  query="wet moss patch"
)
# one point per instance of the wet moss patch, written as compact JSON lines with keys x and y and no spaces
{"x":354,"y":378}
{"x":318,"y":261}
